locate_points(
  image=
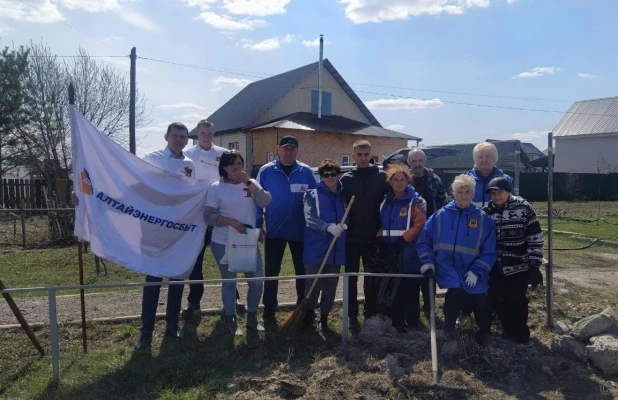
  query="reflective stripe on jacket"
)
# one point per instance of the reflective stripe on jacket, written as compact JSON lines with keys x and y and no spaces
{"x":457,"y":241}
{"x":481,"y":199}
{"x":285,"y":217}
{"x":322,"y":208}
{"x":402,"y":217}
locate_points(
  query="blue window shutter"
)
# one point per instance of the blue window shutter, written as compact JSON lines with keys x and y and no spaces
{"x":327,"y":98}
{"x":326,"y":103}
{"x":314,"y":102}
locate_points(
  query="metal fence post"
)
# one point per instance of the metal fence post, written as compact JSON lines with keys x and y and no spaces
{"x":345,"y":304}
{"x":22,"y":214}
{"x":53,"y":336}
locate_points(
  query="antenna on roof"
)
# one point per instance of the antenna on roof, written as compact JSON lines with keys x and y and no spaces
{"x":320,"y":77}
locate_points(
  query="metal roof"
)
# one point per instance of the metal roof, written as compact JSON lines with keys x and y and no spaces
{"x":332,"y":124}
{"x":589,"y":117}
{"x":242,"y":110}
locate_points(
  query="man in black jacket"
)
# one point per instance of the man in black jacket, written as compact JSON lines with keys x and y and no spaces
{"x":368,"y":184}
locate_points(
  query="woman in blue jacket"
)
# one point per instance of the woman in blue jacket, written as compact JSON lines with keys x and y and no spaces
{"x":402,"y":219}
{"x":324,"y":207}
{"x":459,"y":243}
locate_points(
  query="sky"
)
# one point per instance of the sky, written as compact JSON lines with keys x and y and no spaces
{"x":448,"y":71}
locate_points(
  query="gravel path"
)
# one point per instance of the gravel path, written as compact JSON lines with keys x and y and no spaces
{"x":125,"y":303}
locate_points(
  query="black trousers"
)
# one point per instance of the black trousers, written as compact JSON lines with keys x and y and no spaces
{"x":354,"y":252}
{"x":406,"y":307}
{"x":424,"y":284}
{"x":508,"y":299}
{"x":273,"y":255}
{"x":455,"y":301}
{"x":196,"y":290}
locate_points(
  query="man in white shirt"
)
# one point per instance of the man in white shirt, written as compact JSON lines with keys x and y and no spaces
{"x":206,"y":156}
{"x":173,"y":160}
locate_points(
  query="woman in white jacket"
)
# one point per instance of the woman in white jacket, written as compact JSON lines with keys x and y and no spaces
{"x":232,"y":201}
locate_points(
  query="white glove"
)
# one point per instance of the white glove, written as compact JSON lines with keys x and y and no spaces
{"x":335,"y":230}
{"x":428,"y":270}
{"x":471,"y":279}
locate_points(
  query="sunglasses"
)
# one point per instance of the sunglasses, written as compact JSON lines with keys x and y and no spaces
{"x":362,"y":154}
{"x":329,"y":175}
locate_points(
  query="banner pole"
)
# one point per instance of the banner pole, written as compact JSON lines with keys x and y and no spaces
{"x":80,"y":255}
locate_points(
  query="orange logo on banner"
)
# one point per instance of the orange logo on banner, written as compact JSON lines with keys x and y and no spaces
{"x":86,"y":182}
{"x":473,"y":223}
{"x":403,"y":212}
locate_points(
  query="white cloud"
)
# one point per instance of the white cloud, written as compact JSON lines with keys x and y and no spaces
{"x":396,"y":127}
{"x":227,"y":23}
{"x":586,"y":76}
{"x":192,"y":117}
{"x":403,"y":104}
{"x":180,"y":106}
{"x":314,"y":43}
{"x":5,"y":29}
{"x":538,"y":71}
{"x":530,"y":135}
{"x":43,"y":11}
{"x":257,"y":8}
{"x":364,"y":11}
{"x":264,"y":45}
{"x":138,"y":20}
{"x":159,"y":127}
{"x":267,"y":44}
{"x":112,"y":39}
{"x":512,"y":1}
{"x":91,"y":5}
{"x":223,"y":81}
{"x":203,"y":4}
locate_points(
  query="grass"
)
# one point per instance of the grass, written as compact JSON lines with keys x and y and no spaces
{"x":59,"y":266}
{"x":607,"y":229}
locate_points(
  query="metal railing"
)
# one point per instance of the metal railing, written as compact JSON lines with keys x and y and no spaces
{"x":53,"y":318}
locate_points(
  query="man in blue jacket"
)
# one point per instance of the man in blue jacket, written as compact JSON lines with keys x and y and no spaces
{"x":485,"y":156}
{"x":287,"y":180}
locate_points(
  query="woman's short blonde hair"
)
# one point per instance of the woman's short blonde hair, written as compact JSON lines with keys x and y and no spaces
{"x":485,"y":146}
{"x":397,"y":168}
{"x":462,"y":181}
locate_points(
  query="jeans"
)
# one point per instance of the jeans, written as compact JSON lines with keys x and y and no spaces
{"x":196,"y":290}
{"x":228,"y":289}
{"x":274,"y":249}
{"x":150,"y":300}
{"x":328,"y":287}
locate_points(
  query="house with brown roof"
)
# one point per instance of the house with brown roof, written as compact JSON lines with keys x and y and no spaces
{"x":256,"y":118}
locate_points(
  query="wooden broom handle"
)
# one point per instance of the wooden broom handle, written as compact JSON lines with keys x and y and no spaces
{"x":330,"y":248}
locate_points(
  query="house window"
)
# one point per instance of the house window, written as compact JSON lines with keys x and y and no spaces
{"x":233,"y":146}
{"x":270,"y":156}
{"x":345,"y":159}
{"x":326,"y":103}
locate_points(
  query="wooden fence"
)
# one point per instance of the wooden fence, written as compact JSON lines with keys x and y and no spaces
{"x":34,"y":192}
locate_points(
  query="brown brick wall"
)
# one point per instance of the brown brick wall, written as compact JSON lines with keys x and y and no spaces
{"x":316,"y":146}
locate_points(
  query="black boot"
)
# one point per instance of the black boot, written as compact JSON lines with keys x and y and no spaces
{"x":324,"y":323}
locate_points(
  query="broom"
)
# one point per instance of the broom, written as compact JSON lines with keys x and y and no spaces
{"x":295,"y":320}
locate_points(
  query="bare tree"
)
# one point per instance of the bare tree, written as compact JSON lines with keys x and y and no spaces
{"x":102,"y":96}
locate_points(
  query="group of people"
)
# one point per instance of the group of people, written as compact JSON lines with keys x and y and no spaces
{"x":483,"y":246}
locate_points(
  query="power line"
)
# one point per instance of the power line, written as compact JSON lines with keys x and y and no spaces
{"x":86,"y":56}
{"x":74,"y":28}
{"x":490,"y":105}
{"x":206,"y":68}
{"x":463,"y":93}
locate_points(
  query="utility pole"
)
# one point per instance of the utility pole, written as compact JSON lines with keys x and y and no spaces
{"x":132,"y":102}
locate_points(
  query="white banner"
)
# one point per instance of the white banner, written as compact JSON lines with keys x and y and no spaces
{"x":133,"y":213}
